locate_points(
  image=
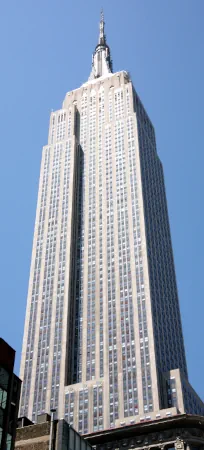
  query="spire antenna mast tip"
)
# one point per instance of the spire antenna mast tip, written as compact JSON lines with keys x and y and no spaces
{"x":102,"y":15}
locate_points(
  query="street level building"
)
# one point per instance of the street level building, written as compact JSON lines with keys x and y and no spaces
{"x":103,"y":339}
{"x":45,"y":435}
{"x":181,"y":432}
{"x":10,"y":386}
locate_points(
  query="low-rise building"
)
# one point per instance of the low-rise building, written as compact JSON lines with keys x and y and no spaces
{"x":176,"y":432}
{"x":48,"y":435}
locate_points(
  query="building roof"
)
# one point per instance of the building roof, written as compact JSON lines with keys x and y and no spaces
{"x":181,"y":420}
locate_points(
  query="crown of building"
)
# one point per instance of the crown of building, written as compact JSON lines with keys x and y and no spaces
{"x":101,"y":58}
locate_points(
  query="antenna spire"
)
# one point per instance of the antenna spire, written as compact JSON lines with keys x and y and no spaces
{"x":101,"y":59}
{"x":102,"y":37}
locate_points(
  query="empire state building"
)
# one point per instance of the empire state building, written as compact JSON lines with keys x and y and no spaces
{"x":103,"y":340}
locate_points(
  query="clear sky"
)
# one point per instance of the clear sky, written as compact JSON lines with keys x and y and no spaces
{"x":46,"y":49}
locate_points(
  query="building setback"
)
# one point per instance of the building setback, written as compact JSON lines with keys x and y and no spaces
{"x":103,"y":338}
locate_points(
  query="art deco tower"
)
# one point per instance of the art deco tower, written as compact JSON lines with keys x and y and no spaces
{"x":103,"y":339}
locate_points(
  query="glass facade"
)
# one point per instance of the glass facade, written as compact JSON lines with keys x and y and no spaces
{"x":69,"y":439}
{"x":10,"y":386}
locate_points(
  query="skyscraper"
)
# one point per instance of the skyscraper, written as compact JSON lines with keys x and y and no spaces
{"x":103,"y":339}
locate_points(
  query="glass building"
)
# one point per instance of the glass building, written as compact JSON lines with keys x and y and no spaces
{"x":103,"y":338}
{"x":10,"y":386}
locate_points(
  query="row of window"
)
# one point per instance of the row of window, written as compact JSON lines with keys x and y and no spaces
{"x":83,"y":408}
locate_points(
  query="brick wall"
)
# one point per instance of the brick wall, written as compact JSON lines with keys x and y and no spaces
{"x":33,"y":437}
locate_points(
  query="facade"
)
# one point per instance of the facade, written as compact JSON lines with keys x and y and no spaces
{"x":10,"y":386}
{"x":103,"y":339}
{"x":48,"y":435}
{"x":181,"y":432}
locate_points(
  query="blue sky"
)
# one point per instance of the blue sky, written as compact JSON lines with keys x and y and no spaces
{"x":46,"y":49}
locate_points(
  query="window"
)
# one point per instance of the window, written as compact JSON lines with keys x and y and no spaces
{"x":3,"y":398}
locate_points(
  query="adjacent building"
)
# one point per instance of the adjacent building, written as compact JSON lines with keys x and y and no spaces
{"x":48,"y":434}
{"x":10,"y":386}
{"x":103,"y":339}
{"x":181,"y":432}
